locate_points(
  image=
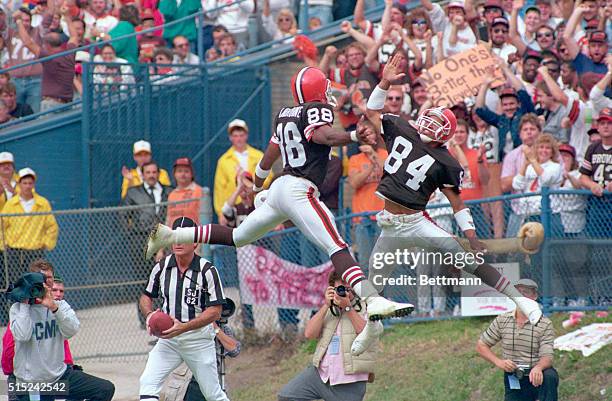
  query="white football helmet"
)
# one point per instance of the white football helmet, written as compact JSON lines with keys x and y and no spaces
{"x":437,"y":124}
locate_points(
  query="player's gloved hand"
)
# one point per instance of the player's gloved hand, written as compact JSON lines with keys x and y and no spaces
{"x":148,"y":319}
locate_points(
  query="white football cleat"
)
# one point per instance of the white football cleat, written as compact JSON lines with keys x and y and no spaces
{"x":381,"y":308}
{"x":366,"y":338}
{"x":161,"y":237}
{"x":530,"y":308}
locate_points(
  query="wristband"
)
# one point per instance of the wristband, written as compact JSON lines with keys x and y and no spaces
{"x":377,"y":99}
{"x":354,"y":137}
{"x":261,"y":173}
{"x":464,"y":220}
{"x":256,"y":188}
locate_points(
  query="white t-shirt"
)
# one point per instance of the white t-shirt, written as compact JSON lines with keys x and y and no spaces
{"x":27,"y":205}
{"x":571,"y":207}
{"x":243,"y":159}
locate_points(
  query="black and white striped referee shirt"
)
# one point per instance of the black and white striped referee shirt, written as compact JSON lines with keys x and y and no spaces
{"x":185,"y":295}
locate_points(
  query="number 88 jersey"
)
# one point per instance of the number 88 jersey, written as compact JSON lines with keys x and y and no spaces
{"x":414,"y":170}
{"x":294,"y":127}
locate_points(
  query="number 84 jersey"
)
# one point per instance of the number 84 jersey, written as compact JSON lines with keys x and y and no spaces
{"x":413,"y":170}
{"x":294,"y":127}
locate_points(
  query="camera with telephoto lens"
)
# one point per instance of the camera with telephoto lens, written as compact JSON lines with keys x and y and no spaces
{"x":341,"y":291}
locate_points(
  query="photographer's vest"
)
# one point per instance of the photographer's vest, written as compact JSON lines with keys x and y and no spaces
{"x":363,"y":363}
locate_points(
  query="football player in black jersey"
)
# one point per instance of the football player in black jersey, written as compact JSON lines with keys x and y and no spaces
{"x":303,"y":137}
{"x":418,"y":164}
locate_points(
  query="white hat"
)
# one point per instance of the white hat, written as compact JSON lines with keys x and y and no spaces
{"x":237,"y":123}
{"x":24,"y":172}
{"x":457,"y":4}
{"x":81,"y":56}
{"x":142,"y":146}
{"x":525,"y":282}
{"x":7,"y":157}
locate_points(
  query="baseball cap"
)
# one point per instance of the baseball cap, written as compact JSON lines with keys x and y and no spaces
{"x":592,"y":131}
{"x":493,"y":4}
{"x":525,"y":282}
{"x":456,"y":4}
{"x":237,"y":123}
{"x":508,"y":92}
{"x":605,"y":114}
{"x":183,"y":161}
{"x":598,"y":36}
{"x":7,"y":157}
{"x":24,"y":172}
{"x":533,"y":8}
{"x":142,"y":146}
{"x":500,"y":20}
{"x":183,"y":222}
{"x":564,"y":147}
{"x":532,"y":54}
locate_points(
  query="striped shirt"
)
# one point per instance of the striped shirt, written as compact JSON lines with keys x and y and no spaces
{"x":523,"y":346}
{"x":185,"y":295}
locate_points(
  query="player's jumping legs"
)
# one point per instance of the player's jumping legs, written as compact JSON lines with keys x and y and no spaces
{"x":257,"y":224}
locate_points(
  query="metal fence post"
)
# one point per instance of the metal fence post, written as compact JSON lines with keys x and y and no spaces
{"x":304,"y":16}
{"x":200,"y":38}
{"x":86,"y":108}
{"x":546,"y":262}
{"x":253,"y":30}
{"x":147,"y":98}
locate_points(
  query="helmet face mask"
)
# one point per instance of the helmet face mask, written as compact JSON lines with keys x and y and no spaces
{"x":311,"y":85}
{"x":436,"y":125}
{"x":331,"y":100}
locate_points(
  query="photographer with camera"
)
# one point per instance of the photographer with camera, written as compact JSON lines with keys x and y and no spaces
{"x":40,"y":325}
{"x":527,"y":352}
{"x":335,"y":374}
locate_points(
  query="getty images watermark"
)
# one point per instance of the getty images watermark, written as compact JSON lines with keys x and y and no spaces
{"x":383,"y":263}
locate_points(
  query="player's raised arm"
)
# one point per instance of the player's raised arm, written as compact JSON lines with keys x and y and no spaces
{"x":262,"y":171}
{"x":376,"y":102}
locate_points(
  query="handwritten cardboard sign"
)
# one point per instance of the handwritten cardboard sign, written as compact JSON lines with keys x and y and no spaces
{"x":457,"y":77}
{"x":266,"y":279}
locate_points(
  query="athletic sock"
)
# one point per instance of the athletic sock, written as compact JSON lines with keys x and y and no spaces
{"x":493,"y":278}
{"x":208,"y":234}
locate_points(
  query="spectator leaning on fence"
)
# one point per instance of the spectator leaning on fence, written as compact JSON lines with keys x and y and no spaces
{"x":186,"y":188}
{"x":58,"y":73}
{"x":134,"y":177}
{"x":571,"y":208}
{"x":40,"y":327}
{"x":111,"y":76}
{"x":8,"y":93}
{"x":26,"y":237}
{"x":335,"y":374}
{"x":239,"y":156}
{"x":527,"y":352}
{"x":8,"y":178}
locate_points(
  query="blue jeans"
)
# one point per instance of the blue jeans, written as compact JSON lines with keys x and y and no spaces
{"x":28,"y":91}
{"x":324,"y":13}
{"x":366,"y":234}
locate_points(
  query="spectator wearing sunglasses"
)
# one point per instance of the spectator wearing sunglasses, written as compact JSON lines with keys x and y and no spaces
{"x":182,"y":52}
{"x":498,"y":33}
{"x":280,"y":26}
{"x":544,"y":37}
{"x":420,"y":30}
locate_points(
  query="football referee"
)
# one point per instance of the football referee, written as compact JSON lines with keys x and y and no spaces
{"x":192,"y":294}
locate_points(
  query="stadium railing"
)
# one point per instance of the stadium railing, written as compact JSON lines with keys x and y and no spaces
{"x":99,"y":257}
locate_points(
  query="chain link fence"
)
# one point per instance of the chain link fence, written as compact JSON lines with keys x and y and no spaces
{"x":279,"y":281}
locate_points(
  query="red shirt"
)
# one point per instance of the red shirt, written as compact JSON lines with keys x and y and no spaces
{"x":471,"y":187}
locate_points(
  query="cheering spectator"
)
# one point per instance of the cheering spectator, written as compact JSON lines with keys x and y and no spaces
{"x":395,"y":101}
{"x":515,"y":102}
{"x":134,"y":177}
{"x":8,"y":93}
{"x":571,"y":208}
{"x":539,"y":170}
{"x":498,"y":33}
{"x":594,"y":63}
{"x":600,"y":101}
{"x":282,"y":25}
{"x":458,"y":36}
{"x":334,"y":374}
{"x":234,"y":18}
{"x":531,"y":63}
{"x":182,"y":53}
{"x":97,"y":20}
{"x":8,"y":178}
{"x":128,"y":21}
{"x":418,"y":97}
{"x":186,"y":188}
{"x":525,"y":39}
{"x":27,"y":80}
{"x":420,"y":31}
{"x":148,"y":42}
{"x":27,"y":236}
{"x":365,"y":172}
{"x":239,"y":156}
{"x":111,"y":76}
{"x":5,"y":115}
{"x":58,"y":73}
{"x":487,"y":137}
{"x":492,"y":10}
{"x":173,"y":10}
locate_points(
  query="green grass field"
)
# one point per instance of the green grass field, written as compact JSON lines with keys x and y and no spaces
{"x":436,"y":361}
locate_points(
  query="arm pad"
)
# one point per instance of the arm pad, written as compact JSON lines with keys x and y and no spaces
{"x":464,"y":220}
{"x":377,"y":99}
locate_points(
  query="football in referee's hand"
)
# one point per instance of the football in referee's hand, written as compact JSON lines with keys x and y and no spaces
{"x":160,"y":322}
